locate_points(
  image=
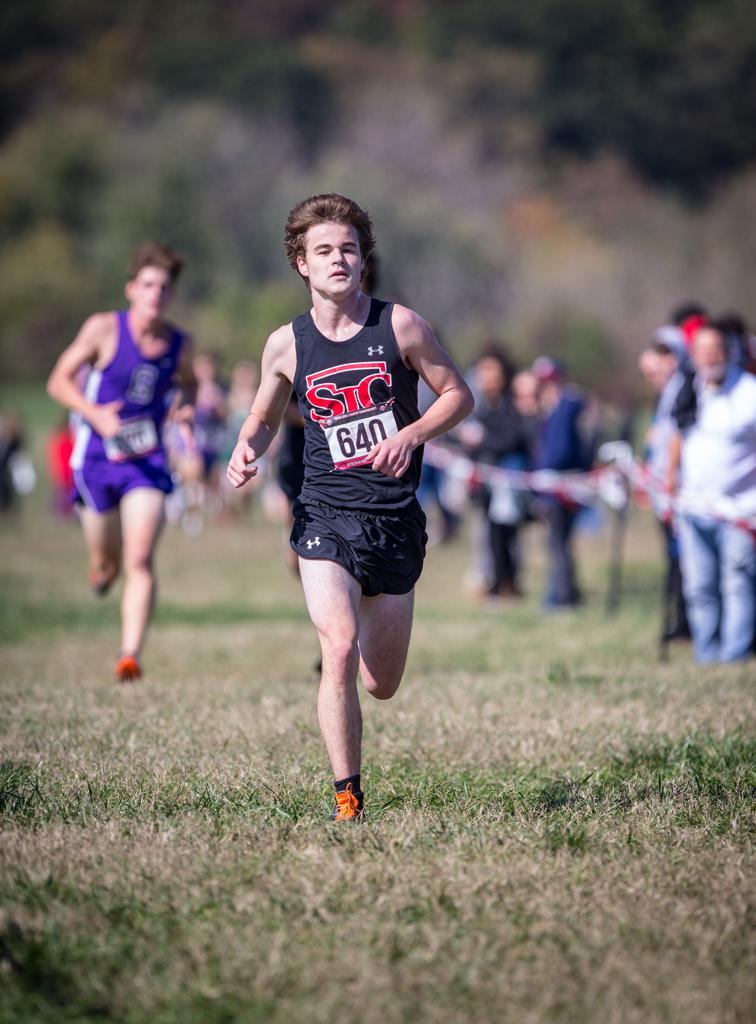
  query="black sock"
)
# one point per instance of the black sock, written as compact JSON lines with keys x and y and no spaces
{"x":342,"y":784}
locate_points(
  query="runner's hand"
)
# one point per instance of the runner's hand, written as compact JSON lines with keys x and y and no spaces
{"x":104,"y":419}
{"x":392,"y":457}
{"x":240,"y":468}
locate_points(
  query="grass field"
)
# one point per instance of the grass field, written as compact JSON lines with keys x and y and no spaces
{"x":560,"y":828}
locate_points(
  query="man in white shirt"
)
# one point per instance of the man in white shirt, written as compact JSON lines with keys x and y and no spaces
{"x":718,"y":474}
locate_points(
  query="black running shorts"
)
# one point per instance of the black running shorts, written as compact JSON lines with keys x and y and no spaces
{"x":384,"y":552}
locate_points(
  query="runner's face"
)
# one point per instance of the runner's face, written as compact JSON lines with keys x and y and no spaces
{"x":332,"y":262}
{"x":150,"y":292}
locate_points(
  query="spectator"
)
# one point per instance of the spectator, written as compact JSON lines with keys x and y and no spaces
{"x":496,"y":436}
{"x":243,"y":384}
{"x":525,"y":397}
{"x":689,"y":317}
{"x":59,"y":448}
{"x":559,"y":446}
{"x":742,"y":344}
{"x":719,"y":466}
{"x":660,"y":365}
{"x":209,"y":415}
{"x":11,"y":450}
{"x":245,"y":378}
{"x":195,"y":464}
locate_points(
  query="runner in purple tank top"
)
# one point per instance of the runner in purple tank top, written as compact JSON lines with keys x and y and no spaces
{"x":121,"y":477}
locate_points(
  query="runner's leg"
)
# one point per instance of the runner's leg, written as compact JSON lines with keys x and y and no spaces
{"x":141,"y":522}
{"x":102,"y":536}
{"x":333,"y":601}
{"x":384,"y":636}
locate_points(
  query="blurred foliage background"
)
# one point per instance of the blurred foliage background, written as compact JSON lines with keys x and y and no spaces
{"x":557,"y":174}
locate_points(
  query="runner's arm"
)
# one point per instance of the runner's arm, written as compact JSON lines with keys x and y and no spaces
{"x":261,"y":426}
{"x":423,"y":353}
{"x":86,"y":349}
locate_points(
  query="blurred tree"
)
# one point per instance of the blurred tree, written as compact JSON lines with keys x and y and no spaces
{"x":44,"y":290}
{"x":585,"y":344}
{"x":53,"y":172}
{"x":202,"y":124}
{"x":671,"y":86}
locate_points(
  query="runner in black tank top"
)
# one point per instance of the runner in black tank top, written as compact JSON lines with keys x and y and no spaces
{"x":358,"y":530}
{"x":353,"y":394}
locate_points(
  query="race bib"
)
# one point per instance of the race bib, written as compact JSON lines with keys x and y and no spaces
{"x":351,"y":437}
{"x":135,"y":439}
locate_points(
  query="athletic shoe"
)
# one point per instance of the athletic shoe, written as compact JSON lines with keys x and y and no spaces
{"x":348,"y":805}
{"x":127,"y":669}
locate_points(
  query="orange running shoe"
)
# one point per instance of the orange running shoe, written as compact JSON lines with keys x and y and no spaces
{"x":127,"y":669}
{"x":348,"y":805}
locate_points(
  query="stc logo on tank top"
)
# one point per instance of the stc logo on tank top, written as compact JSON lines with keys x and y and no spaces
{"x":329,"y":394}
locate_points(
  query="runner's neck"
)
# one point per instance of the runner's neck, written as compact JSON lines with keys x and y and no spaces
{"x":340,"y":321}
{"x":146,"y":333}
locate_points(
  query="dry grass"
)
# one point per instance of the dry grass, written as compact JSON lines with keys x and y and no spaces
{"x":560,"y":828}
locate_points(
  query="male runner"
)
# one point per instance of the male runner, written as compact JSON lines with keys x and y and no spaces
{"x":353,"y":363}
{"x":119,"y":464}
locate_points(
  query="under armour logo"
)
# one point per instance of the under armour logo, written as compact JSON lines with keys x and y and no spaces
{"x":375,"y":351}
{"x":313,"y":543}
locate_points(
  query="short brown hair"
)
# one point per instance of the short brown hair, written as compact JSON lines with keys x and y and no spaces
{"x":328,"y":208}
{"x":153,"y":254}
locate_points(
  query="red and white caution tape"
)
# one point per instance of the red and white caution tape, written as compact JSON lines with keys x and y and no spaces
{"x":685,"y":502}
{"x":613,"y":483}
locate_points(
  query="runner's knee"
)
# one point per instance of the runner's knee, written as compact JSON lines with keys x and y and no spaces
{"x":382,"y":688}
{"x":138,"y":564}
{"x":340,"y":653}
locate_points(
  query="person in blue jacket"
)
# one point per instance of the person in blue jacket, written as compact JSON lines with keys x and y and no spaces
{"x":558,"y":446}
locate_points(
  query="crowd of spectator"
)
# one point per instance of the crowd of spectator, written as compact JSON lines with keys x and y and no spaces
{"x":701,"y":448}
{"x":526,"y":420}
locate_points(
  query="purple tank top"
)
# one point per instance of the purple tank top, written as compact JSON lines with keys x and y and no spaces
{"x":143,"y":385}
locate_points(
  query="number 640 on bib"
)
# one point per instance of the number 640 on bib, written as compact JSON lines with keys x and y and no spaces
{"x":352,"y":438}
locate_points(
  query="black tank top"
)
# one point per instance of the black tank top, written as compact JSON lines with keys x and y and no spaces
{"x":353,"y":394}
